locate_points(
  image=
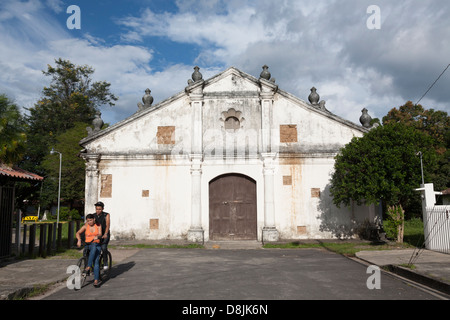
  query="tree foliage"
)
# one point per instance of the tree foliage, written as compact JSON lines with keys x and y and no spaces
{"x":71,"y":97}
{"x":382,"y":165}
{"x":72,"y":169}
{"x":12,"y":135}
{"x":434,"y":123}
{"x":58,"y":120}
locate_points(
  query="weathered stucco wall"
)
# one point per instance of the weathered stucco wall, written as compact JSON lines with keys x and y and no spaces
{"x":145,"y":168}
{"x":147,"y":190}
{"x":144,"y":191}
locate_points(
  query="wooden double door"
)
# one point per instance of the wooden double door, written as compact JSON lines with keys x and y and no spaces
{"x":232,"y":208}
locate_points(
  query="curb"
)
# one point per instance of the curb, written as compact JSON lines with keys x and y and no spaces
{"x":17,"y":294}
{"x":412,"y":276}
{"x":23,"y":292}
{"x":419,"y":278}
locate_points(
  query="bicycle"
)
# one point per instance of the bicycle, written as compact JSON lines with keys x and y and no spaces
{"x":83,"y":261}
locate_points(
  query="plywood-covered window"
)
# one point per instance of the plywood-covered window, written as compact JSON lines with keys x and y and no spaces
{"x":154,"y":224}
{"x":106,"y":186}
{"x":315,"y":193}
{"x":287,"y":180}
{"x":166,"y":135}
{"x":288,"y":133}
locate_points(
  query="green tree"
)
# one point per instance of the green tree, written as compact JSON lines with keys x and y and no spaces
{"x":71,"y":97}
{"x":59,"y":120}
{"x":12,"y":135}
{"x":434,"y":123}
{"x":72,"y":168}
{"x":383,"y":165}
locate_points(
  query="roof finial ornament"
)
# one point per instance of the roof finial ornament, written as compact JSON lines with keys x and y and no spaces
{"x":196,"y":76}
{"x":365,"y":118}
{"x":314,"y":97}
{"x":265,"y":74}
{"x":147,"y":99}
{"x":97,"y":122}
{"x":314,"y":100}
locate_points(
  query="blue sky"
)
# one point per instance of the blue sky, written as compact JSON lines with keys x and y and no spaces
{"x":156,"y":43}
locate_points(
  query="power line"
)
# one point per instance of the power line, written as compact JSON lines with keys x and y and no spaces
{"x":433,"y":84}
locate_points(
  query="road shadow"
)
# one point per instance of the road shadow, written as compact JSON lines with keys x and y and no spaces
{"x":119,"y":269}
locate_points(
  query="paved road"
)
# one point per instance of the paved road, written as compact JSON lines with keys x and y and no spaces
{"x":269,"y":274}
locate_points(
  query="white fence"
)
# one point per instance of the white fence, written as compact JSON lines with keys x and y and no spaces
{"x":437,"y":228}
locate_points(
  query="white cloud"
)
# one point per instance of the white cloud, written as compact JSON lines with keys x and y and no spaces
{"x":318,"y":43}
{"x":126,"y":67}
{"x":56,"y":5}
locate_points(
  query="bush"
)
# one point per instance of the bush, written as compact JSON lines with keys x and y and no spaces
{"x":395,"y":223}
{"x":66,"y":214}
{"x":391,"y":229}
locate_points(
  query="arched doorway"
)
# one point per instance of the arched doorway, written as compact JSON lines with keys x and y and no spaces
{"x":232,"y":208}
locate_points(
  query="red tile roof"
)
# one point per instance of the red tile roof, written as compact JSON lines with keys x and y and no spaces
{"x":17,"y":173}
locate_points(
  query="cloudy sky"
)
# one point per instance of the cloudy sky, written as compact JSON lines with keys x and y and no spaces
{"x":139,"y":44}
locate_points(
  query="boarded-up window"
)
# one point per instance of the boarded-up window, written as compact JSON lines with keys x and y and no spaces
{"x":288,"y":133}
{"x":287,"y":180}
{"x":154,"y":224}
{"x":106,"y":186}
{"x":166,"y":135}
{"x":301,"y":230}
{"x":315,"y":193}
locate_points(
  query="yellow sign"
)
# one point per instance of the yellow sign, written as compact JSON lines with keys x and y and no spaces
{"x":30,"y":218}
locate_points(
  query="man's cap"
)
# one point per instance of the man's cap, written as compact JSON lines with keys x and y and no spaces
{"x":99,"y":204}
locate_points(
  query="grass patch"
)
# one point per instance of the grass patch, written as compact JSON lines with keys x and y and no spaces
{"x":69,"y":253}
{"x":413,"y":234}
{"x":162,"y":246}
{"x":344,"y":248}
{"x":292,"y":245}
{"x":409,"y":266}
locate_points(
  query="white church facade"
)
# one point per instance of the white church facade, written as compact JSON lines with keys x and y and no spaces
{"x":233,"y":157}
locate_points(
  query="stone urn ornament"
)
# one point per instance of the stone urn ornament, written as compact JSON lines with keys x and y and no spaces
{"x":314,"y":97}
{"x":265,"y":74}
{"x":365,"y":118}
{"x":197,"y":76}
{"x":147,"y":99}
{"x":97,"y":122}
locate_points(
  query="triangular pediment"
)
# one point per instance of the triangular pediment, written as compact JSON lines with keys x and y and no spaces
{"x":231,"y":87}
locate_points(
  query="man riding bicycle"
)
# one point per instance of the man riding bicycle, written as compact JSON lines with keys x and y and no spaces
{"x":103,"y":219}
{"x":92,"y":233}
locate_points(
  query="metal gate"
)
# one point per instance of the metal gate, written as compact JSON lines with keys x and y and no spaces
{"x":437,"y":229}
{"x":6,"y":214}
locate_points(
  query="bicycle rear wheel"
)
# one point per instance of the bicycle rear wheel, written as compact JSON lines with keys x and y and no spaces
{"x":105,"y":272}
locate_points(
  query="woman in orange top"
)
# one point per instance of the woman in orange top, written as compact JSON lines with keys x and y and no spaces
{"x":93,"y":234}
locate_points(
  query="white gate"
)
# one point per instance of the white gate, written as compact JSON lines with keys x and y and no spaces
{"x":437,"y":228}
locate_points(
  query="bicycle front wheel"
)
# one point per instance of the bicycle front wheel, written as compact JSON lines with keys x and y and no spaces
{"x":82,"y":264}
